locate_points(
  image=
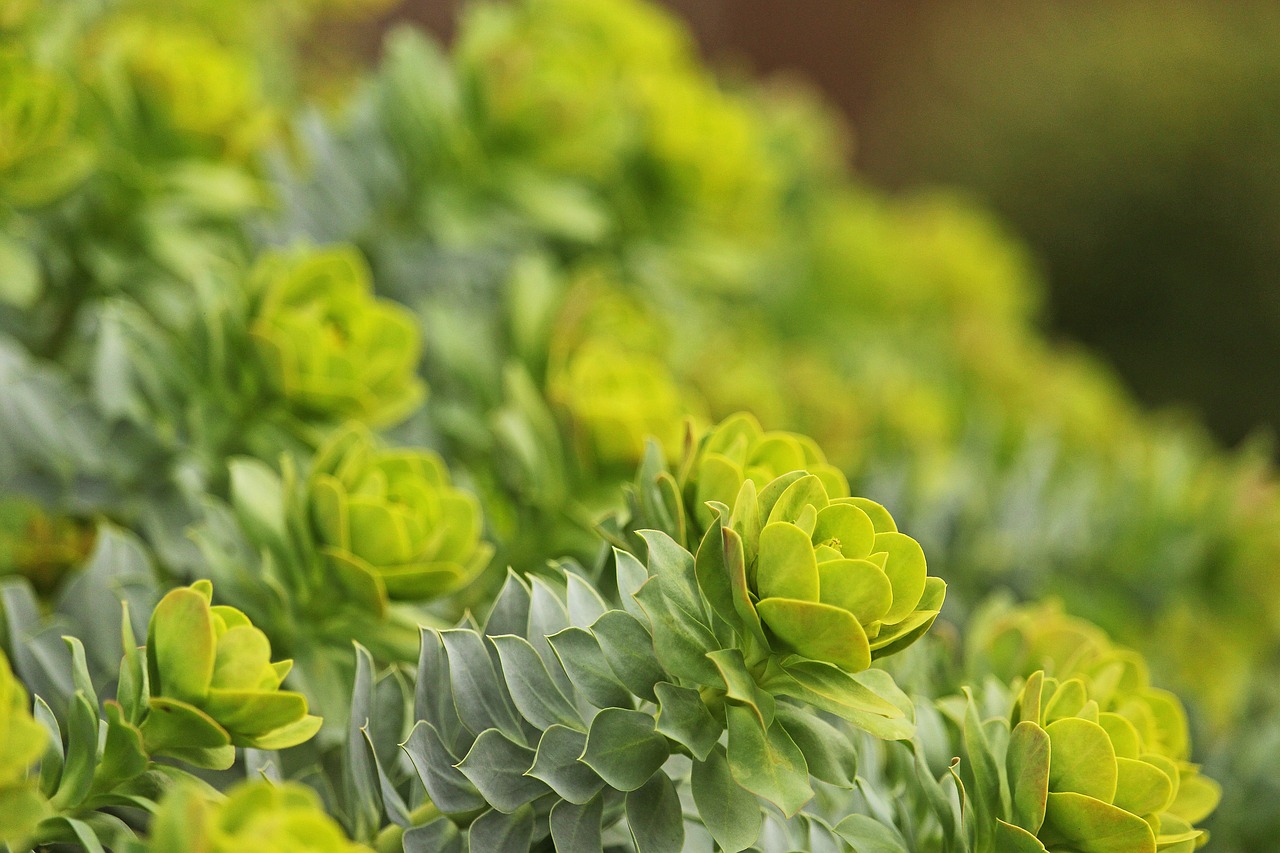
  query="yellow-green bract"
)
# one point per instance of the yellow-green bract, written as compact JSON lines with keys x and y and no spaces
{"x":1082,"y":776}
{"x":213,"y":684}
{"x":827,"y":574}
{"x":330,"y":348}
{"x":389,"y":521}
{"x":256,"y":817}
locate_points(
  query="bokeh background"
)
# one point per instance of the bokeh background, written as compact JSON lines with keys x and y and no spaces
{"x":1134,"y":145}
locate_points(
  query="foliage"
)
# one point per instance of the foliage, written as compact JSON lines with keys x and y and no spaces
{"x":216,"y":413}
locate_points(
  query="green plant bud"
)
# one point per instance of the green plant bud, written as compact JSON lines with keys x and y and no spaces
{"x":40,"y":157}
{"x":389,"y":520}
{"x":255,"y":817}
{"x":330,"y":348}
{"x":213,"y":685}
{"x":616,"y":399}
{"x":1082,"y":777}
{"x":739,"y":449}
{"x":40,"y":547}
{"x":22,"y":741}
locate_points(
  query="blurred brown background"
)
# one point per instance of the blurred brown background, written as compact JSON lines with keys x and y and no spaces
{"x":1134,"y":144}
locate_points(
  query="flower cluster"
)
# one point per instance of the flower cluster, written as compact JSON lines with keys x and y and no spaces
{"x":330,"y":348}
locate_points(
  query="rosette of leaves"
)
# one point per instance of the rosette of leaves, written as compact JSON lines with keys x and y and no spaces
{"x":22,"y":741}
{"x":41,"y":157}
{"x":794,"y":564}
{"x":389,"y":521}
{"x":253,"y":817}
{"x":1013,"y":642}
{"x":330,"y":348}
{"x":211,"y":685}
{"x":96,"y":781}
{"x":738,"y":449}
{"x":615,"y":399}
{"x":170,"y":90}
{"x":1081,"y":778}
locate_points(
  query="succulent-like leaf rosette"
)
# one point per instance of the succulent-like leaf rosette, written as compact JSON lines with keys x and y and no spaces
{"x":40,"y":157}
{"x":831,"y":578}
{"x":256,"y":817}
{"x":739,"y":449}
{"x":813,"y":571}
{"x":1083,"y":777}
{"x":213,"y":685}
{"x":330,"y":348}
{"x":389,"y":521}
{"x":22,"y":741}
{"x":615,"y":399}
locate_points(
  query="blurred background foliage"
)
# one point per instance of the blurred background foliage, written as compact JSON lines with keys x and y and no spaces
{"x":1131,"y":143}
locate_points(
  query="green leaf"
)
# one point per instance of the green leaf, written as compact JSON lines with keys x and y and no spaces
{"x":673,"y":566}
{"x":817,"y":631}
{"x":870,"y":700}
{"x":80,"y":671}
{"x":628,"y":648}
{"x":582,"y":658}
{"x":907,"y":571}
{"x":510,"y":611}
{"x":258,"y":498}
{"x":82,"y":754}
{"x":1082,"y":759}
{"x":869,"y":836}
{"x":1141,"y":787}
{"x":496,"y":765}
{"x":1092,"y":826}
{"x":680,"y":642}
{"x":1015,"y":839}
{"x":654,"y":816}
{"x":180,"y":646}
{"x":447,"y":786}
{"x":623,"y":747}
{"x":983,"y":772}
{"x":584,"y":603}
{"x":712,"y":572}
{"x":20,"y":279}
{"x":683,"y":717}
{"x":631,"y":574}
{"x":495,"y":830}
{"x":576,"y":828}
{"x":805,"y":491}
{"x":556,"y":763}
{"x":767,"y":763}
{"x":740,"y":686}
{"x":123,"y":754}
{"x":438,"y":836}
{"x":433,"y":694}
{"x":22,"y":808}
{"x":1028,"y":770}
{"x":536,"y":696}
{"x":730,"y":812}
{"x":481,"y":698}
{"x":829,"y":753}
{"x":786,"y":567}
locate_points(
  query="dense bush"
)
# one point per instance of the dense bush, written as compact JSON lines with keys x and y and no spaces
{"x":550,"y":291}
